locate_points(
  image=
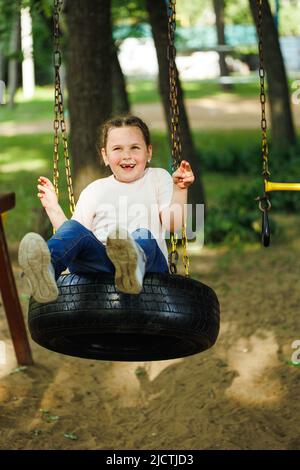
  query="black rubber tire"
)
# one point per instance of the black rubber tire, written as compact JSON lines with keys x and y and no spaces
{"x":173,"y":316}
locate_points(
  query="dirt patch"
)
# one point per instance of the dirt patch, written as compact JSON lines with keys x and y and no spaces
{"x":241,"y":394}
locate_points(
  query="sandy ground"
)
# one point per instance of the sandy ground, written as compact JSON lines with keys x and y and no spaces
{"x":241,"y":394}
{"x":217,"y":112}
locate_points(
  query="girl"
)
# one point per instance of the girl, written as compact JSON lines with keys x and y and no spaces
{"x":119,"y":222}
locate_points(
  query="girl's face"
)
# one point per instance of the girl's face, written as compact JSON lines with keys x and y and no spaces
{"x":126,"y":153}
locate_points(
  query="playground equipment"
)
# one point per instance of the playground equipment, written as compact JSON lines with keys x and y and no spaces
{"x":9,"y":291}
{"x":173,"y":316}
{"x":268,"y":186}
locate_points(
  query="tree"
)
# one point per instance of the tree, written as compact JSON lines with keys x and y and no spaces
{"x":131,"y":14}
{"x":189,"y":13}
{"x":14,"y":48}
{"x":219,"y":8}
{"x":237,"y":12}
{"x":120,"y":97}
{"x":89,"y":83}
{"x":159,"y":24}
{"x":282,"y":128}
{"x":28,"y":78}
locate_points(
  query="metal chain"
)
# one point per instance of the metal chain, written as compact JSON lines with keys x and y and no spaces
{"x":175,"y":132}
{"x":262,"y":74}
{"x":173,"y":255}
{"x":173,"y":93}
{"x":59,"y":119}
{"x":264,"y":201}
{"x":185,"y":256}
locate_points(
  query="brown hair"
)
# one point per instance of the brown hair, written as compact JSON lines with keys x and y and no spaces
{"x":122,"y":121}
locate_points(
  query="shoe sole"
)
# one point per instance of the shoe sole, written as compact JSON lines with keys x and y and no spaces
{"x":124,"y":257}
{"x":34,"y":259}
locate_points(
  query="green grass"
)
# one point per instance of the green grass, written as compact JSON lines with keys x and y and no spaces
{"x":146,"y":91}
{"x":217,"y":186}
{"x":22,"y":159}
{"x":140,"y":91}
{"x":41,"y":107}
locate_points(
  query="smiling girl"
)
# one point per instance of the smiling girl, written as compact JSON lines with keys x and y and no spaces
{"x":119,"y":222}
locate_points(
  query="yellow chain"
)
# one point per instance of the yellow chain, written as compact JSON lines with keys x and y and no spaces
{"x":264,"y":142}
{"x":173,"y":255}
{"x":175,"y":132}
{"x":59,"y":120}
{"x":185,"y":256}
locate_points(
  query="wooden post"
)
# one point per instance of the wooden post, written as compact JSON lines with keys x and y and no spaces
{"x":9,"y":292}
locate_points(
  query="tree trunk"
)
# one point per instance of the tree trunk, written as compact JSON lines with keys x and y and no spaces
{"x":282,"y":128}
{"x":2,"y":83}
{"x":159,"y":24}
{"x":28,"y":78}
{"x":89,"y":83}
{"x":2,"y":72}
{"x":120,"y":97}
{"x":13,"y":61}
{"x":220,"y":26}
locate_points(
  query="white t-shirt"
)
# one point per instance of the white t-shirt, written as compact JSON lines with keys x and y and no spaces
{"x":107,"y":202}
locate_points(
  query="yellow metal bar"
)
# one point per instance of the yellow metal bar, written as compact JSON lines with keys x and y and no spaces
{"x":269,"y":186}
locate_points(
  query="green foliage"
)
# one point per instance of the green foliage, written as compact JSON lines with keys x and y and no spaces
{"x":234,"y":216}
{"x":42,"y":6}
{"x":225,"y":226}
{"x":238,"y":218}
{"x":237,"y":12}
{"x":189,"y":13}
{"x":234,"y":219}
{"x":8,"y":11}
{"x":42,"y":46}
{"x":284,"y":166}
{"x":229,"y":151}
{"x":41,"y":11}
{"x":40,"y":108}
{"x":289,"y":19}
{"x":131,"y":12}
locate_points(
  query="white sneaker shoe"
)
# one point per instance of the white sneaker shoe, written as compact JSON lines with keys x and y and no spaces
{"x":129,"y":260}
{"x":35,"y":260}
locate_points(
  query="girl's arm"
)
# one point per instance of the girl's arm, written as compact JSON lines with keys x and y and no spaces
{"x":172,"y":217}
{"x":50,"y":203}
{"x":57,"y":216}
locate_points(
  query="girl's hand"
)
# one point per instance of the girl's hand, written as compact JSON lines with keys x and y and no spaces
{"x":183,"y":177}
{"x":47,"y":193}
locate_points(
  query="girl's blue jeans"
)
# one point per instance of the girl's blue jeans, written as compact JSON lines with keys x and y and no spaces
{"x":75,"y":247}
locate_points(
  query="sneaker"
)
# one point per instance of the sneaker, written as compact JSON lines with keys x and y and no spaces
{"x":129,"y":260}
{"x":35,"y":260}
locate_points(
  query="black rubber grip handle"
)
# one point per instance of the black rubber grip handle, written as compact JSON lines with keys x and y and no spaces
{"x":265,"y":234}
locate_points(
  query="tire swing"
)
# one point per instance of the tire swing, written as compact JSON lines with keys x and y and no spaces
{"x":174,"y":315}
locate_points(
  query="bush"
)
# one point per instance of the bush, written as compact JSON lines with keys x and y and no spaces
{"x":238,"y":218}
{"x":240,"y":152}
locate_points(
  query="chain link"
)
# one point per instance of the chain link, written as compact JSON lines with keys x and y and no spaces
{"x":185,"y":256}
{"x":264,"y":201}
{"x":175,"y":132}
{"x":173,"y":92}
{"x":262,"y":74}
{"x":173,"y":255}
{"x":59,"y":119}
